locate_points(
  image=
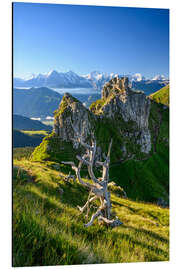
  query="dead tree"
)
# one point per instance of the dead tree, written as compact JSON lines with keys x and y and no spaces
{"x":99,"y":187}
{"x":69,"y":177}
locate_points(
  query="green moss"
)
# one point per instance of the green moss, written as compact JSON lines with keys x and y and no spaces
{"x":96,"y":106}
{"x":62,"y":107}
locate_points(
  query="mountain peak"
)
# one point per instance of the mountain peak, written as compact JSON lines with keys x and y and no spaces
{"x":52,"y":73}
{"x":159,"y":78}
{"x":71,"y":72}
{"x":115,"y":86}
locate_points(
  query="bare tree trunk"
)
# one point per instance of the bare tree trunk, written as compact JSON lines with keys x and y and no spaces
{"x":99,"y":187}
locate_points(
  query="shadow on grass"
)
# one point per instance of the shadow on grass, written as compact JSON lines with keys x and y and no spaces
{"x":155,"y":249}
{"x":149,"y":233}
{"x":39,"y":247}
{"x":127,"y":206}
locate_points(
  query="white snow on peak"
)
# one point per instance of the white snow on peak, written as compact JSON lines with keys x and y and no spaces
{"x":52,"y":73}
{"x":159,"y":77}
{"x":137,"y":77}
{"x":32,"y":76}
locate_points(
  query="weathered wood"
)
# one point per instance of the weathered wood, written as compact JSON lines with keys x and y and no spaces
{"x":99,"y":188}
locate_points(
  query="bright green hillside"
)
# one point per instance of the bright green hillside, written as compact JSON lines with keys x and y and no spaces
{"x":161,"y":96}
{"x":48,"y":230}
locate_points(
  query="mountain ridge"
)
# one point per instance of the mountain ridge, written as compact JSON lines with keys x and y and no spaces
{"x":35,"y":102}
{"x":94,"y":79}
{"x":24,"y":123}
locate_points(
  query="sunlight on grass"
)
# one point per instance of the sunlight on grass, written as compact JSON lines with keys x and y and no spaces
{"x":35,"y":132}
{"x":48,"y":228}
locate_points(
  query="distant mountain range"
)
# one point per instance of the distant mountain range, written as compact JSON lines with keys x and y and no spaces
{"x":94,"y":79}
{"x":54,"y":79}
{"x":35,"y":102}
{"x":24,"y":123}
{"x":41,"y":102}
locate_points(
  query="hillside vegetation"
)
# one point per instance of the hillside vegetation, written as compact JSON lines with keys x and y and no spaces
{"x":35,"y":102}
{"x":24,"y":123}
{"x":23,"y":138}
{"x":48,"y":229}
{"x":161,"y":96}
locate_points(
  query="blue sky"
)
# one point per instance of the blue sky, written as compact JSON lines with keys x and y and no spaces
{"x":87,"y":38}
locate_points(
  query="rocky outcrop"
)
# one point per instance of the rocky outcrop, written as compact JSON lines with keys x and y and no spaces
{"x":131,"y":105}
{"x":119,"y":104}
{"x":72,"y":116}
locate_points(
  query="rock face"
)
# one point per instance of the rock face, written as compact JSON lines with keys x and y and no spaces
{"x":131,"y":105}
{"x":72,"y":116}
{"x":119,"y":105}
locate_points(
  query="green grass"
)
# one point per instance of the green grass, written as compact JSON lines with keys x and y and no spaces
{"x":22,"y":152}
{"x":54,"y":149}
{"x":48,"y":230}
{"x":35,"y":132}
{"x":96,"y":106}
{"x":161,"y":96}
{"x":145,"y":180}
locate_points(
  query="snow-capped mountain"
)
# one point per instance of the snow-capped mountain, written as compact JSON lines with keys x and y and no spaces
{"x":137,"y":77}
{"x":98,"y":79}
{"x":95,"y":79}
{"x":159,"y":78}
{"x":54,"y":79}
{"x":137,"y":81}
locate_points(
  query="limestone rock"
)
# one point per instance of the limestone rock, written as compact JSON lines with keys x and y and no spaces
{"x":72,"y":116}
{"x":124,"y":108}
{"x":131,"y":106}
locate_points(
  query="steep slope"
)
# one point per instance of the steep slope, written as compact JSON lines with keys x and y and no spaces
{"x":24,"y":123}
{"x":139,"y":129}
{"x":35,"y":102}
{"x":48,"y":230}
{"x":161,"y":96}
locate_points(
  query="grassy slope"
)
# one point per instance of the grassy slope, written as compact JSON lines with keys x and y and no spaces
{"x":161,"y":96}
{"x":48,"y":230}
